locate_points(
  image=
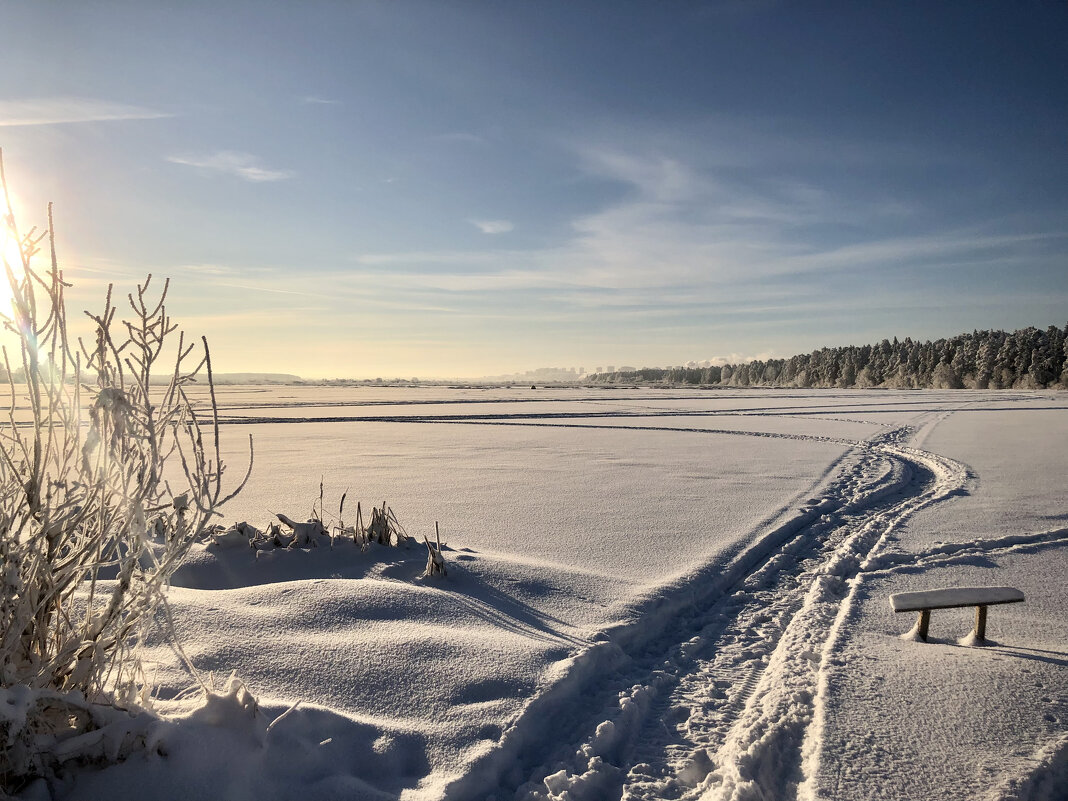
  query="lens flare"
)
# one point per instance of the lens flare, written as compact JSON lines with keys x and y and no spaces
{"x":9,"y":252}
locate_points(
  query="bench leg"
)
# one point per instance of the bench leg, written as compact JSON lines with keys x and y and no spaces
{"x":923,"y":623}
{"x":980,"y":623}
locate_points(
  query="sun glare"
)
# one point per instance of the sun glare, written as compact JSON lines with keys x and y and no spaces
{"x":9,"y":251}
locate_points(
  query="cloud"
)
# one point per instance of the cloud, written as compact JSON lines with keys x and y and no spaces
{"x":319,"y":101}
{"x":691,"y":249}
{"x":207,"y":270}
{"x":272,"y":290}
{"x":57,"y":110}
{"x":493,"y":226}
{"x":685,"y":239}
{"x":733,"y":358}
{"x":231,"y":318}
{"x":461,"y":137}
{"x":421,"y":258}
{"x":228,"y":162}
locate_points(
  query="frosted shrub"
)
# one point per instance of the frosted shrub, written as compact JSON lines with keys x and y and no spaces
{"x":91,"y":526}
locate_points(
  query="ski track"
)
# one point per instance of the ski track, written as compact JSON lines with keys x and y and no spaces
{"x":616,"y":407}
{"x":710,"y":692}
{"x":712,"y":688}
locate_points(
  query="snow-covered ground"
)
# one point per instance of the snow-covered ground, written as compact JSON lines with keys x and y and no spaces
{"x":651,"y":594}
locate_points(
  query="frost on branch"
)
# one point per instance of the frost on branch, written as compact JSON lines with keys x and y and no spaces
{"x":91,"y":526}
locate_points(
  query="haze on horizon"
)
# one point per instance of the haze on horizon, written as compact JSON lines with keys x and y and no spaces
{"x":446,"y":189}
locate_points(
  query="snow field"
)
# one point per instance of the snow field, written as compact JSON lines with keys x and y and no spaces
{"x":997,"y":715}
{"x":897,"y":713}
{"x":638,"y":505}
{"x":740,"y":710}
{"x":1019,"y":458}
{"x":683,"y":600}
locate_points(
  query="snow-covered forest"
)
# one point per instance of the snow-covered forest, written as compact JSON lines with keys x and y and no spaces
{"x":1030,"y":358}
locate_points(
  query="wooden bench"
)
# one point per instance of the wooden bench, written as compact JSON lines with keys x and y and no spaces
{"x":924,"y":601}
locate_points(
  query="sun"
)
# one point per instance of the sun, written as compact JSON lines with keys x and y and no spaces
{"x":11,"y":255}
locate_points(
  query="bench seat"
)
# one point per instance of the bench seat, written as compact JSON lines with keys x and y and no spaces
{"x":923,"y":601}
{"x":952,"y":597}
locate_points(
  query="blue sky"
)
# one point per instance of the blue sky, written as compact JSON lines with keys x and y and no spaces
{"x":469,"y":188}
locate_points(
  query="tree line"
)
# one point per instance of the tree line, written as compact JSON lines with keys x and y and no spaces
{"x":1030,"y":358}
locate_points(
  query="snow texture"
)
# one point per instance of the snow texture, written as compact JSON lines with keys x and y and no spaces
{"x":651,"y":594}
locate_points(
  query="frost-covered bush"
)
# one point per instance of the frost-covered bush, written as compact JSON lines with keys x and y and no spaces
{"x":91,"y":522}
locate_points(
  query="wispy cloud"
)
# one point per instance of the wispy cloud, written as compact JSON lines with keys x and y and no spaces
{"x":208,"y":270}
{"x":421,"y":258}
{"x":229,"y":162}
{"x":266,"y":318}
{"x":493,"y":226}
{"x":684,"y":237}
{"x":316,"y":100}
{"x":460,"y":136}
{"x":57,"y":110}
{"x":689,"y":246}
{"x":272,"y":290}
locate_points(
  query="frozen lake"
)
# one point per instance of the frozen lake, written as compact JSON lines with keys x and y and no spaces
{"x":651,"y":594}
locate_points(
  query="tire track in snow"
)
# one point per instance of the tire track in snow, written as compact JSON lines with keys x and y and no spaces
{"x":715,"y":669}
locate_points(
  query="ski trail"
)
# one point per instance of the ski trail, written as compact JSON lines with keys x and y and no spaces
{"x":711,"y":690}
{"x":956,"y":552}
{"x":768,"y":752}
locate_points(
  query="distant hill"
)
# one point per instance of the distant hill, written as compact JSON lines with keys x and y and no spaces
{"x":1030,"y":358}
{"x":256,"y":378}
{"x":221,"y":379}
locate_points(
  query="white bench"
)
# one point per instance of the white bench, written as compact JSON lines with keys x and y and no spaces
{"x":924,"y":601}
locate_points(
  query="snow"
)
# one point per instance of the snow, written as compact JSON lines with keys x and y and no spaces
{"x":574,"y":497}
{"x":946,"y":597}
{"x":937,"y":720}
{"x":651,"y":594}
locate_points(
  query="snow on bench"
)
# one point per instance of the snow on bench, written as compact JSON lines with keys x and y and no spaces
{"x":924,"y":601}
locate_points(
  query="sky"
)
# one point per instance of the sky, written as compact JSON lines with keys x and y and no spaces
{"x":458,"y":189}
